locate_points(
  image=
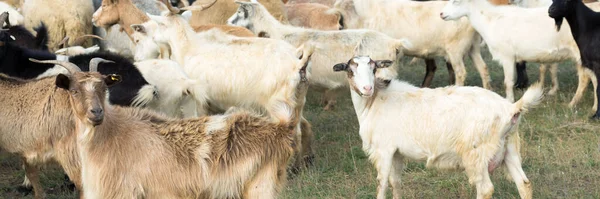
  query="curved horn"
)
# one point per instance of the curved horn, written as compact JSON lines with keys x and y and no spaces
{"x":72,"y":68}
{"x":171,"y":8}
{"x":4,"y":18}
{"x":81,"y":39}
{"x":63,"y":43}
{"x":200,"y":7}
{"x":95,"y":61}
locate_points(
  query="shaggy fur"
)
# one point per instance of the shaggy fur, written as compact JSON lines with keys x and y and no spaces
{"x":25,"y":39}
{"x":263,"y":83}
{"x":72,"y":19}
{"x":236,"y":155}
{"x":37,"y":123}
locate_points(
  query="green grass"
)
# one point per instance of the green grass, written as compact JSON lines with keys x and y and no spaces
{"x":560,"y":149}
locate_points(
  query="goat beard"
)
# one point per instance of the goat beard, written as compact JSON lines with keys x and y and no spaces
{"x":558,"y":22}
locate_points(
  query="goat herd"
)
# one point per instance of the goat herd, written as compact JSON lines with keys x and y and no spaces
{"x":173,"y":104}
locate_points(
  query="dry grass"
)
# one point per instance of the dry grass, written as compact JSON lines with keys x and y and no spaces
{"x":560,"y":149}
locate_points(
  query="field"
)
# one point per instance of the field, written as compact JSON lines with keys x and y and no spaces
{"x":560,"y":149}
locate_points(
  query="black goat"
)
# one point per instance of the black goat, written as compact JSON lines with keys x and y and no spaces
{"x":14,"y":61}
{"x":585,"y":27}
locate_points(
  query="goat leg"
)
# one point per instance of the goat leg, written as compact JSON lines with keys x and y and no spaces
{"x":522,"y":79}
{"x":429,"y":73}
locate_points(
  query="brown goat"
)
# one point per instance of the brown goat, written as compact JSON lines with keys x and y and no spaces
{"x":37,"y":122}
{"x":223,"y":9}
{"x":236,"y":155}
{"x":314,"y":16}
{"x":232,"y":30}
{"x":125,"y":13}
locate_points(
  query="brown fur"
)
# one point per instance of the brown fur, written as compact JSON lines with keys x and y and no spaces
{"x":313,"y":15}
{"x":14,"y":3}
{"x":239,"y":154}
{"x":187,"y":160}
{"x":38,"y":123}
{"x":324,"y":2}
{"x":124,"y":13}
{"x":223,"y":9}
{"x":232,"y":30}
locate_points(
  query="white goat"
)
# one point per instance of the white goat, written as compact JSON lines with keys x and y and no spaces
{"x":257,"y":74}
{"x":433,"y":37}
{"x":333,"y":46}
{"x":477,"y":132}
{"x":492,"y":22}
{"x":178,"y":94}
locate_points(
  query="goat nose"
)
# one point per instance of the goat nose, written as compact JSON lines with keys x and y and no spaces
{"x":368,"y":88}
{"x":97,"y":111}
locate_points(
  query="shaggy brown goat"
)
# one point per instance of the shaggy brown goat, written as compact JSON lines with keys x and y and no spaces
{"x":238,"y":154}
{"x":37,"y":122}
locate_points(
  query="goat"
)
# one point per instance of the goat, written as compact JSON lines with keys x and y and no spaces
{"x":477,"y":131}
{"x":547,"y":47}
{"x":333,"y":45}
{"x":23,"y":37}
{"x":71,"y":19}
{"x":260,"y":83}
{"x":235,"y":155}
{"x":324,"y":2}
{"x":178,"y":93}
{"x":14,"y":61}
{"x":584,"y":23}
{"x":218,"y":11}
{"x":36,"y":123}
{"x":124,"y":13}
{"x":453,"y":41}
{"x":314,"y":16}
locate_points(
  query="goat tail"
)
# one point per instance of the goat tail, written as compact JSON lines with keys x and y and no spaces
{"x":533,"y":96}
{"x":41,"y":37}
{"x":145,"y":95}
{"x":197,"y":91}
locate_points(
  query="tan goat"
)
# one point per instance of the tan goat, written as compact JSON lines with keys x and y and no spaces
{"x":36,"y":123}
{"x":223,"y":9}
{"x":71,"y":19}
{"x":235,"y":155}
{"x":315,"y":16}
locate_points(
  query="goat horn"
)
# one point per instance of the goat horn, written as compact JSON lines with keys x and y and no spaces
{"x":199,"y":7}
{"x":96,"y":61}
{"x":81,"y":39}
{"x":72,"y":68}
{"x":63,"y":43}
{"x":4,"y":19}
{"x":170,"y":7}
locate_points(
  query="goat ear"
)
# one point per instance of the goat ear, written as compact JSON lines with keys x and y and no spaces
{"x":340,"y":67}
{"x":383,"y":63}
{"x":139,"y":28}
{"x":63,"y":81}
{"x":112,"y":79}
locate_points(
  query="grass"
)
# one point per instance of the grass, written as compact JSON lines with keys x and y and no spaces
{"x":560,"y":149}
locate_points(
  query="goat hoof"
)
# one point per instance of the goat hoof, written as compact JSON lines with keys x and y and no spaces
{"x":24,"y":190}
{"x":309,"y":161}
{"x":522,"y":85}
{"x":595,"y":117}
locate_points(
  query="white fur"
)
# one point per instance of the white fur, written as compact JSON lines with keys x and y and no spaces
{"x":174,"y":87}
{"x":494,"y":22}
{"x":332,"y":46}
{"x":77,"y":50}
{"x":419,"y":23}
{"x":449,"y":128}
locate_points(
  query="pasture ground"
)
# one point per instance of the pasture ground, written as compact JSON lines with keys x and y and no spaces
{"x":560,"y":149}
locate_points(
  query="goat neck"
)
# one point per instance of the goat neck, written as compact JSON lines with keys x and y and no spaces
{"x":129,"y":15}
